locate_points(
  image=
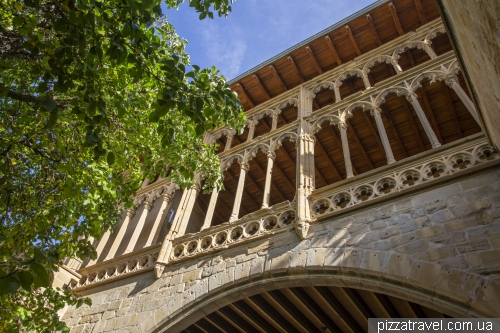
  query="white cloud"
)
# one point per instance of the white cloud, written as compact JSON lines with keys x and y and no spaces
{"x":225,"y":49}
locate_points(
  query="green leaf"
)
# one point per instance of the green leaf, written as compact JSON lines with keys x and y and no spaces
{"x":26,"y":279}
{"x":42,"y":277}
{"x":49,"y":105}
{"x":110,"y":158}
{"x":52,"y":120}
{"x":8,"y":285}
{"x":39,"y":254}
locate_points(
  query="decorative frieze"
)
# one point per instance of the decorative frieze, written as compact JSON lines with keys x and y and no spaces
{"x":404,"y":177}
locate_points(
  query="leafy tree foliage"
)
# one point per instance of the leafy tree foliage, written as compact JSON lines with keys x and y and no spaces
{"x":90,"y":89}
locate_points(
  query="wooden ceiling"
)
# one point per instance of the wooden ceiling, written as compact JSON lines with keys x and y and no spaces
{"x":309,"y":309}
{"x":341,"y":45}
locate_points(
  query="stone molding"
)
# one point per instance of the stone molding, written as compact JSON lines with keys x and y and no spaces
{"x":403,"y":175}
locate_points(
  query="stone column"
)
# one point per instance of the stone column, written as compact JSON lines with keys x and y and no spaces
{"x":275,"y":120}
{"x":244,"y":166}
{"x":452,"y":82}
{"x":305,"y":178}
{"x":229,"y":140}
{"x":251,"y":131}
{"x":155,"y":231}
{"x":211,"y":209}
{"x":100,"y":246}
{"x":121,"y":232}
{"x":336,"y":90}
{"x":138,"y":228}
{"x":179,"y":225}
{"x":271,"y":156}
{"x":412,"y":98}
{"x":383,"y":135}
{"x":305,"y":107}
{"x":345,"y":149}
{"x":366,"y":81}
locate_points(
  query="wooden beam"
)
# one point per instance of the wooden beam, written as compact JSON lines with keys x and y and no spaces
{"x":431,"y":115}
{"x":207,"y":326}
{"x":353,"y":41}
{"x":291,"y":308}
{"x":332,"y":165}
{"x":395,"y":17}
{"x":316,"y":104}
{"x":360,"y":145}
{"x":326,"y":293}
{"x":394,"y":130}
{"x":333,"y":51}
{"x":254,"y":317}
{"x":373,"y":29}
{"x":233,"y":316}
{"x":278,"y":78}
{"x":295,"y":69}
{"x":446,"y":93}
{"x":339,"y":144}
{"x":412,"y":123}
{"x":375,"y":306}
{"x":251,"y":319}
{"x":233,"y":321}
{"x":410,"y":58}
{"x":261,"y":86}
{"x":220,"y":322}
{"x":263,"y":314}
{"x":420,"y":11}
{"x":374,"y":132}
{"x":315,"y":309}
{"x":277,"y":317}
{"x":285,"y":314}
{"x":314,"y":60}
{"x":244,"y":93}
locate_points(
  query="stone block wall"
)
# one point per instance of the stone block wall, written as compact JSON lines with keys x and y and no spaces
{"x":439,"y":247}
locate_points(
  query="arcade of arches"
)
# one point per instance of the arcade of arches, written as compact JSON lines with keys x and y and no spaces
{"x":361,"y":186}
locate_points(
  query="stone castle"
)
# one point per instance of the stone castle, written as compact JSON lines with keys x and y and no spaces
{"x":366,"y":184}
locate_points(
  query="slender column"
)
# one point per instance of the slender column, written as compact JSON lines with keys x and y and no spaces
{"x":211,"y":209}
{"x":305,"y":178}
{"x":229,"y":140}
{"x":179,"y":225}
{"x":239,"y":192}
{"x":251,"y":131}
{"x":138,"y":228}
{"x":336,"y":90}
{"x":383,"y":135}
{"x":412,"y":98}
{"x":120,"y":234}
{"x":345,"y":149}
{"x":275,"y":120}
{"x":366,"y":81}
{"x":305,"y":107}
{"x":429,"y":50}
{"x":155,"y":231}
{"x":267,"y":186}
{"x":100,"y":246}
{"x":452,"y":82}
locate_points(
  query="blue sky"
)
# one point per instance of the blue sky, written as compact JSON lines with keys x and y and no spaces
{"x":255,"y":30}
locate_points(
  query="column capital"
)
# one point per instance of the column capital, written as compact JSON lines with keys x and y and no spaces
{"x":167,"y":197}
{"x":130,"y":212}
{"x":196,"y":186}
{"x":244,"y":166}
{"x":411,"y":97}
{"x":306,"y":137}
{"x":375,"y":111}
{"x":271,"y":154}
{"x":342,"y":125}
{"x":451,"y":79}
{"x":148,"y":205}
